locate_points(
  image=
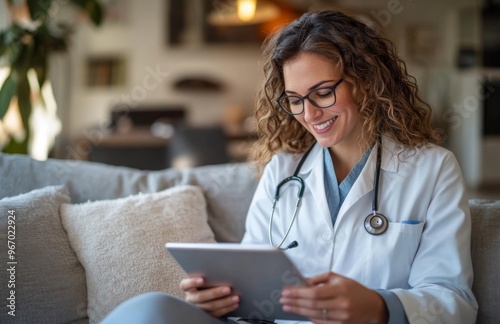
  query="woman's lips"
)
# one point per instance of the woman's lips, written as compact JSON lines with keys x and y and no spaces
{"x":324,"y":127}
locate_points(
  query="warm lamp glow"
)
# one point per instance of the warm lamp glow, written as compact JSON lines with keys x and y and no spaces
{"x":246,"y":9}
{"x":246,"y":12}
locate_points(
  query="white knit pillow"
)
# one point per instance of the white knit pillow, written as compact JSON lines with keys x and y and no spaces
{"x":121,"y":243}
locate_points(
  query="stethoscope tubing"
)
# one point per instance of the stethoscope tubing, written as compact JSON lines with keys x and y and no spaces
{"x":375,"y":223}
{"x":300,"y":193}
{"x":377,"y":176}
{"x":296,"y":211}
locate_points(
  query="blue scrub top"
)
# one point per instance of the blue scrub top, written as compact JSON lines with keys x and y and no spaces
{"x":335,"y":193}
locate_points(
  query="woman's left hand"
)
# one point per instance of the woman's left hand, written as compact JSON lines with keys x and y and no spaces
{"x":332,"y":298}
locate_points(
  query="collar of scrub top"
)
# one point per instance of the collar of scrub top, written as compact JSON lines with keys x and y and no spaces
{"x":390,"y":160}
{"x":335,"y":192}
{"x":375,"y":223}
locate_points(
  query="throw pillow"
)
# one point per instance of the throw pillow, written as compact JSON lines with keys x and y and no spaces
{"x":121,"y":243}
{"x":44,"y":282}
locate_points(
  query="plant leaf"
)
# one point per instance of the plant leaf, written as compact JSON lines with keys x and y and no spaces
{"x":41,"y":74}
{"x":13,"y":33}
{"x":24,"y":102}
{"x":95,"y":11}
{"x":39,"y":9}
{"x":11,"y":39}
{"x":6,"y":93}
{"x":3,"y":43}
{"x":24,"y":61}
{"x":15,"y":147}
{"x":40,"y":56}
{"x":93,"y":8}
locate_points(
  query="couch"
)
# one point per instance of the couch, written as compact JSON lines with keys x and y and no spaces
{"x":85,"y":236}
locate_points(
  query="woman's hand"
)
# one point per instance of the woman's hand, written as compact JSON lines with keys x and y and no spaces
{"x":332,"y":298}
{"x":217,"y":301}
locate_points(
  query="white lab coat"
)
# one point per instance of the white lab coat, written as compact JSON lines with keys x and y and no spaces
{"x":427,"y":265}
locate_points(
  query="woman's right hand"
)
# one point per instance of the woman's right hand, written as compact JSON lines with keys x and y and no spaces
{"x":217,"y":301}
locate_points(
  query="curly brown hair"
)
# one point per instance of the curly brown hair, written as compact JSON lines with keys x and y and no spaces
{"x":387,"y":96}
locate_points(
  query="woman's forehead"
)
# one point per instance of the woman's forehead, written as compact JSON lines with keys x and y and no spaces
{"x":307,"y":69}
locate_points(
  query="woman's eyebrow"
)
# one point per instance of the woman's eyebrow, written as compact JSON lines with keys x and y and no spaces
{"x":313,"y":86}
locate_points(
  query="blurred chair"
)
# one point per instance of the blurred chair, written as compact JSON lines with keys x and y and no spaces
{"x":190,"y":147}
{"x":139,"y":137}
{"x":145,"y":116}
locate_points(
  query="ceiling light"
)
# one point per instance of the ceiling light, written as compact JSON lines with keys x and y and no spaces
{"x":246,"y":9}
{"x":246,"y":12}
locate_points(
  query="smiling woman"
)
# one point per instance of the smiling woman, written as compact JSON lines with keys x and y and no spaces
{"x":348,"y":117}
{"x":339,"y":113}
{"x":336,"y":124}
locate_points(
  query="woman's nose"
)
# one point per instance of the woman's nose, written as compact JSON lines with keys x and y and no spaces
{"x":310,"y":111}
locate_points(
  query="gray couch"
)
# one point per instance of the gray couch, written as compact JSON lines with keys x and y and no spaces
{"x":227,"y":189}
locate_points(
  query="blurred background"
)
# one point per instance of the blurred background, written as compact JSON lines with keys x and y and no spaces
{"x":153,"y":84}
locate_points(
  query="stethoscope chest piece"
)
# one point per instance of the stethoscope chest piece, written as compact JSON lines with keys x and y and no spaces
{"x":376,"y":224}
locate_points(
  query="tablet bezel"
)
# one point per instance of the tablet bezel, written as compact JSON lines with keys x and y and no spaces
{"x":241,"y":267}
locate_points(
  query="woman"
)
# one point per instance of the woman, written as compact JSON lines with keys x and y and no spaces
{"x":339,"y":110}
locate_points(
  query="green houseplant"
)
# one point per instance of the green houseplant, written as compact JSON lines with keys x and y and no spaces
{"x":25,"y":46}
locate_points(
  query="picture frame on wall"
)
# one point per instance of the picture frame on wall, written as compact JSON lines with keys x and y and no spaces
{"x":105,"y":71}
{"x":424,"y":42}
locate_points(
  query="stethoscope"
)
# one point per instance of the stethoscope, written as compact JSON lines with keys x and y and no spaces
{"x":375,"y":223}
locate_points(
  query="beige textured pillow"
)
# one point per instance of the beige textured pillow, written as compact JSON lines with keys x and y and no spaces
{"x":121,"y":243}
{"x":47,"y":280}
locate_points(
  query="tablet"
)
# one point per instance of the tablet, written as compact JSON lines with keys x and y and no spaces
{"x":257,"y":273}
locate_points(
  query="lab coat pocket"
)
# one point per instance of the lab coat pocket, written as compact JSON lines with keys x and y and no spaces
{"x":390,"y":255}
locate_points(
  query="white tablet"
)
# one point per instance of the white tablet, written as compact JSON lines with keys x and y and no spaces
{"x":257,"y":273}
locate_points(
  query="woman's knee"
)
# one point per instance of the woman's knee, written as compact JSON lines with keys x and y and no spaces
{"x":157,"y":307}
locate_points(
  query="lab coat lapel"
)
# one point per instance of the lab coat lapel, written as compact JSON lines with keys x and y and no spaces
{"x":364,"y":183}
{"x":312,"y":172}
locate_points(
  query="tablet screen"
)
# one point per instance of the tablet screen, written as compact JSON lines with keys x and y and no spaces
{"x":257,"y":273}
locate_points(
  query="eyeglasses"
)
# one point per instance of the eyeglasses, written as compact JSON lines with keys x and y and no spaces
{"x":323,"y":97}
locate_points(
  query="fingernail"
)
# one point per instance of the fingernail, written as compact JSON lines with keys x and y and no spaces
{"x":199,"y":281}
{"x":235,"y":299}
{"x":285,"y":292}
{"x":226,"y":290}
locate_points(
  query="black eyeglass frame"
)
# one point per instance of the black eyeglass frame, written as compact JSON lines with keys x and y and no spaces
{"x":303,"y":98}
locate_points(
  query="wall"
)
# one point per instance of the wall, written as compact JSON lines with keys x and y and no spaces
{"x":141,"y":40}
{"x":4,"y":16}
{"x":152,"y":66}
{"x":477,"y":154}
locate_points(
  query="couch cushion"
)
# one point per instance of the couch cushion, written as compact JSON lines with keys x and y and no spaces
{"x":48,"y":280}
{"x":121,"y":243}
{"x":485,"y":243}
{"x":228,"y":188}
{"x":85,"y":180}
